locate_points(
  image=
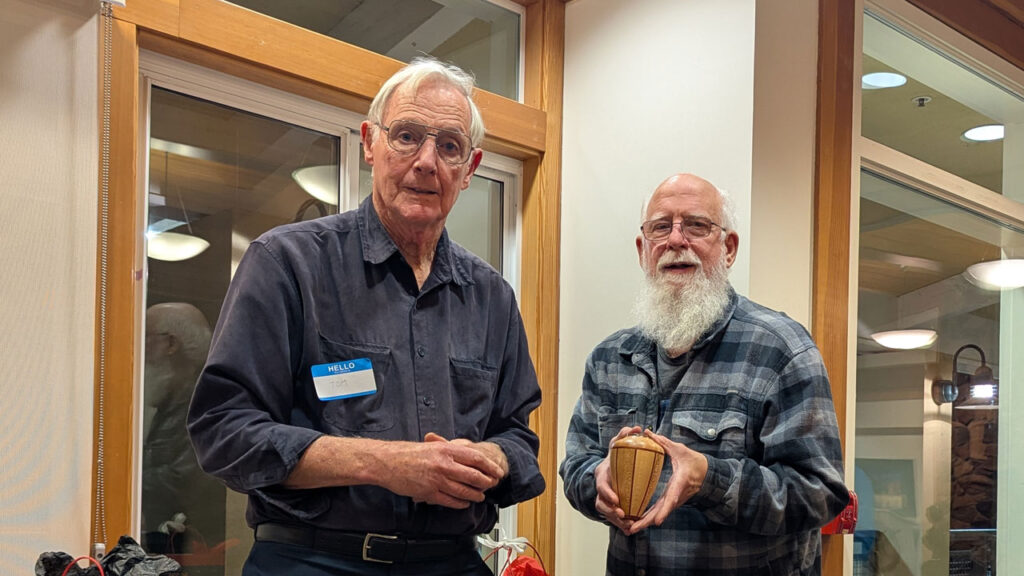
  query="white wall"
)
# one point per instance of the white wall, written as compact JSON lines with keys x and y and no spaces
{"x":655,"y":87}
{"x":48,"y":165}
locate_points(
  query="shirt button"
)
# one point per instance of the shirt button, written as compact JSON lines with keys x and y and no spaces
{"x":711,"y":431}
{"x":427,"y":401}
{"x":421,"y":351}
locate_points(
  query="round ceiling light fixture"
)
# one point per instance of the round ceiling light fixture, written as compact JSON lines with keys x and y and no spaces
{"x":320,"y":182}
{"x":173,"y":246}
{"x":879,"y":80}
{"x":905,"y":339}
{"x":986,"y":133}
{"x":997,"y":274}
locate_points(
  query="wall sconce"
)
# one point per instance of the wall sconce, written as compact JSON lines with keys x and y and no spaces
{"x":980,"y":392}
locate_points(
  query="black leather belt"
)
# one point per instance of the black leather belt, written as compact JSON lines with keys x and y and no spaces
{"x":386,"y":548}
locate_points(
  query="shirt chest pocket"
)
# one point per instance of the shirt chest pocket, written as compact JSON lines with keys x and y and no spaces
{"x":473,"y":388}
{"x":721,"y":434}
{"x":609,"y":425}
{"x":362,"y":415}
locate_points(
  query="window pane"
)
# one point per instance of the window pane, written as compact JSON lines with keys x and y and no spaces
{"x":927,"y":450}
{"x":476,"y":35}
{"x":476,"y":221}
{"x":218,"y":178}
{"x":928,"y":115}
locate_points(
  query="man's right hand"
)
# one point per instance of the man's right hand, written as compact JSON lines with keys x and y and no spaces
{"x":607,"y":502}
{"x":451,"y":474}
{"x":454,"y":478}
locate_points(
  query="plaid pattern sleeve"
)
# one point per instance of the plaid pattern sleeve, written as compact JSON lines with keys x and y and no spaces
{"x":755,"y":400}
{"x":597,"y":418}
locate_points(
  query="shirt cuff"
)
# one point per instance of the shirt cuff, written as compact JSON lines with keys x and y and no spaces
{"x":716,"y":484}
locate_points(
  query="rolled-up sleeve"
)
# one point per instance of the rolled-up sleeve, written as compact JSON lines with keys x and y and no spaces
{"x":509,"y":426}
{"x":239,"y":417}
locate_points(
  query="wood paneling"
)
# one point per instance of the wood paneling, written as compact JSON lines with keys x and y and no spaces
{"x":157,"y":15}
{"x":353,"y":70}
{"x":1014,"y":9}
{"x":995,"y":24}
{"x":265,"y":50}
{"x":116,"y":336}
{"x":833,"y":168}
{"x":545,"y":48}
{"x":236,"y":67}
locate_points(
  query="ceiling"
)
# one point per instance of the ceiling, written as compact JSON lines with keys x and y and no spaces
{"x":913,"y":247}
{"x":927,"y":124}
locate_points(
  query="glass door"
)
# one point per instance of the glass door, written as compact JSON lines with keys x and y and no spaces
{"x":932,"y":366}
{"x":218,"y":177}
{"x":939,"y":314}
{"x":226,"y":161}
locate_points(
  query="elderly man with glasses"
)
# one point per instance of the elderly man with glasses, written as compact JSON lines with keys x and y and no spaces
{"x":369,"y":384}
{"x":736,"y":395}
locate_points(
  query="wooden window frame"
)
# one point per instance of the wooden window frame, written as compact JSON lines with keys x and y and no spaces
{"x":264,"y":50}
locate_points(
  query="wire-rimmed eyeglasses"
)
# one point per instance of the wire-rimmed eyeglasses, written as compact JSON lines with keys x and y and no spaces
{"x":407,"y":138}
{"x":691,"y":227}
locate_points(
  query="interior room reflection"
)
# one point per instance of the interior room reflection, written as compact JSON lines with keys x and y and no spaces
{"x":223,"y":176}
{"x":927,"y":411}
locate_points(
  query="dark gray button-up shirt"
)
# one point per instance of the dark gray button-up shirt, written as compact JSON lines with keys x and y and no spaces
{"x":450,"y":358}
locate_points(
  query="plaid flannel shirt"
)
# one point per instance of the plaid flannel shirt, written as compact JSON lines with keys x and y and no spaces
{"x":755,"y":400}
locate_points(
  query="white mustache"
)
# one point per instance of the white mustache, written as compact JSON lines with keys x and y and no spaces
{"x":670,"y":257}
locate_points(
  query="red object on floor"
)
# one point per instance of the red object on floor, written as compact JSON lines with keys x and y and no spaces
{"x":525,"y":566}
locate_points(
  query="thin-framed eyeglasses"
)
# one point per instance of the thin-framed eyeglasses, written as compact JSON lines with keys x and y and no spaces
{"x":407,"y":138}
{"x":691,"y":227}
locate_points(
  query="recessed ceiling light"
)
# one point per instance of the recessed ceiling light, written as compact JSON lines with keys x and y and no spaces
{"x":878,"y":80}
{"x":905,"y":339}
{"x":985,"y":133}
{"x":997,"y":274}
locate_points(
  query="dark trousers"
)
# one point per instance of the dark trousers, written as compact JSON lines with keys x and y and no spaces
{"x":274,"y":559}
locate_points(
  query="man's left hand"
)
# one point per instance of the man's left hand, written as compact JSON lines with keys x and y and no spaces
{"x":490,"y":450}
{"x":688,"y":470}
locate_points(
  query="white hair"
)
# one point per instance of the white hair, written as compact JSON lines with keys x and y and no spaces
{"x":414,"y":74}
{"x":186,"y":323}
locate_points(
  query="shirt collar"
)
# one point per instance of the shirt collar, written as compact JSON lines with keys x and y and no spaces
{"x":378,"y":247}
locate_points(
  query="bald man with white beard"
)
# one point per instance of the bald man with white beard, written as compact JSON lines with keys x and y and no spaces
{"x":735,"y":393}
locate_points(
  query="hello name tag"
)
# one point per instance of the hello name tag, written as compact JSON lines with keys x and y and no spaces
{"x":344,"y":379}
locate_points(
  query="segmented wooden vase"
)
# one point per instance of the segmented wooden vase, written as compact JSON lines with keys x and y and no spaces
{"x":636,"y":466}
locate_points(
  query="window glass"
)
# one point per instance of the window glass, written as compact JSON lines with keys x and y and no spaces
{"x":934,"y":455}
{"x":218,"y":178}
{"x":927,"y":447}
{"x":478,"y":36}
{"x":925,"y":104}
{"x":475,"y":222}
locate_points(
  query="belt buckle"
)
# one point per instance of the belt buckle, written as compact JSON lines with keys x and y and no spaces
{"x":366,"y":547}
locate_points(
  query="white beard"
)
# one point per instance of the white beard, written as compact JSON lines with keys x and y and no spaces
{"x":159,"y":382}
{"x":674,"y":315}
